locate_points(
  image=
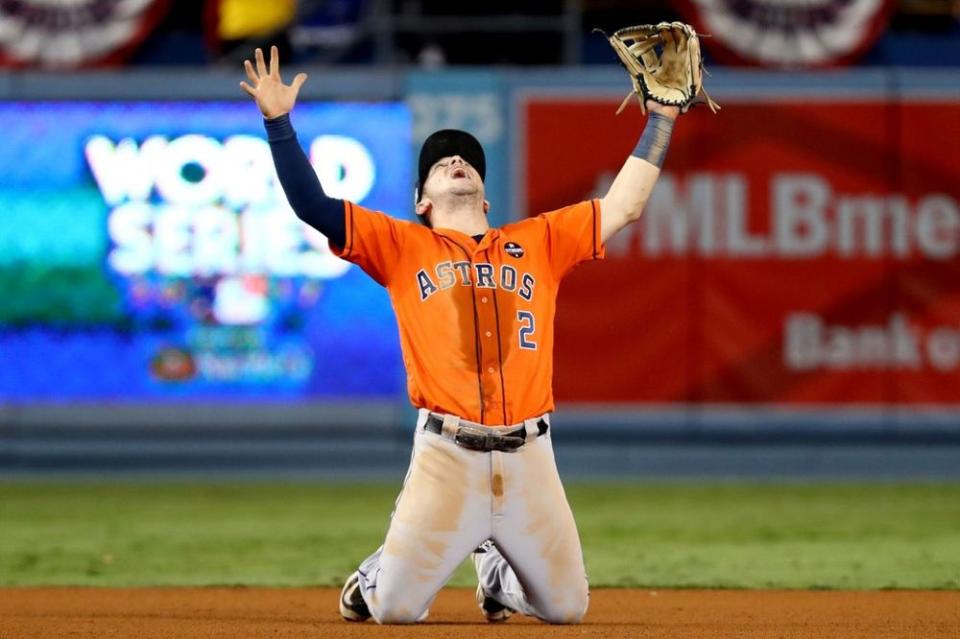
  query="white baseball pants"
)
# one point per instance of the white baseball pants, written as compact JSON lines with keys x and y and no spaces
{"x":453,"y":499}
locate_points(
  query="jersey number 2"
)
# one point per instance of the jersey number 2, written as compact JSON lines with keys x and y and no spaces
{"x":527,"y":327}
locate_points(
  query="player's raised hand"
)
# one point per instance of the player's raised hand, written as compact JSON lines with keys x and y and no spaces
{"x":266,"y":87}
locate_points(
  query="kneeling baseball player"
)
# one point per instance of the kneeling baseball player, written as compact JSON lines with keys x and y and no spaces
{"x":475,"y":308}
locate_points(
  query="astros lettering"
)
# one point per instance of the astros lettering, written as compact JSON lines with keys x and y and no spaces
{"x":478,"y":274}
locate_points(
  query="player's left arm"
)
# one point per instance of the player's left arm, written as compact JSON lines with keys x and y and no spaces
{"x":631,"y":189}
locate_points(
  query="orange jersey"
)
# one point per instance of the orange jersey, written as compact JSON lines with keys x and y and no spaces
{"x":475,"y":318}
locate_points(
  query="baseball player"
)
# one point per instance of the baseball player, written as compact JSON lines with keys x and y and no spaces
{"x":475,"y":308}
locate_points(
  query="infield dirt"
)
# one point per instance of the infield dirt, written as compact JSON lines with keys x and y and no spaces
{"x":278,"y":612}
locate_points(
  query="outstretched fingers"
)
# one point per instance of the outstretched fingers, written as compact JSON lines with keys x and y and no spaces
{"x":261,"y":65}
{"x":275,"y":61}
{"x":251,"y":74}
{"x":249,"y":89}
{"x":298,"y":81}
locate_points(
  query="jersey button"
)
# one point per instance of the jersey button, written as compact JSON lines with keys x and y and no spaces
{"x":488,"y":334}
{"x":483,"y":299}
{"x":490,"y":370}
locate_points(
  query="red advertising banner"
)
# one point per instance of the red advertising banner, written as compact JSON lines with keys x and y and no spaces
{"x":796,"y":254}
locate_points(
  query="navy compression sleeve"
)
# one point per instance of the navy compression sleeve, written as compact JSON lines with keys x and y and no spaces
{"x":300,"y":183}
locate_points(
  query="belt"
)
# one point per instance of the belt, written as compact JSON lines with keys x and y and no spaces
{"x":484,"y":438}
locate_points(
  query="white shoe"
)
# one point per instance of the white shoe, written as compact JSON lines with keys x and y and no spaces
{"x":352,"y":605}
{"x":493,"y":610}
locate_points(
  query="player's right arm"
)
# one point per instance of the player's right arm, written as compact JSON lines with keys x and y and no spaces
{"x":297,"y":177}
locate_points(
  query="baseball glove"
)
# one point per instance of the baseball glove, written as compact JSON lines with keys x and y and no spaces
{"x":664,"y":63}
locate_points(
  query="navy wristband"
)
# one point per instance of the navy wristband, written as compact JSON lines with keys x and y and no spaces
{"x":655,"y":139}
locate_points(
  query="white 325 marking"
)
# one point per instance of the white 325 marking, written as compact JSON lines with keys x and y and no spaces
{"x":527,"y":326}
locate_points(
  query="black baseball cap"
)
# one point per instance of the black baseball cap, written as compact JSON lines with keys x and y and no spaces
{"x":445,"y":143}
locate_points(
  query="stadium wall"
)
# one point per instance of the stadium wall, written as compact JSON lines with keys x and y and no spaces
{"x":727,"y":406}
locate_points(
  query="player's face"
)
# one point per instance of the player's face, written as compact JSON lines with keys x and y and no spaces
{"x":453,"y":175}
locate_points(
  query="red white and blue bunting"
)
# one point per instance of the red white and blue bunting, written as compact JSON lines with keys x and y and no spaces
{"x":66,"y":34}
{"x":788,"y":33}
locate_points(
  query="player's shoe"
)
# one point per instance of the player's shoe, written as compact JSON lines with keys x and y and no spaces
{"x":493,"y":610}
{"x":352,"y":605}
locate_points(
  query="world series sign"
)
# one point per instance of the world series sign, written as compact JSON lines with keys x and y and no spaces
{"x":149,"y":253}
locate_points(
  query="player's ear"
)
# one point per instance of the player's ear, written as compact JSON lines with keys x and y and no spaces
{"x":424,"y":206}
{"x":486,"y":206}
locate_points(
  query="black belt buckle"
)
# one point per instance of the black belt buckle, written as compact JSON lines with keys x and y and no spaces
{"x":483,"y":440}
{"x":471,"y":438}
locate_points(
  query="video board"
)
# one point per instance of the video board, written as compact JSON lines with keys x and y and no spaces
{"x":147,"y":252}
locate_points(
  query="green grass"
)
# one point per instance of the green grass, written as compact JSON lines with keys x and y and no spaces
{"x":723,"y":535}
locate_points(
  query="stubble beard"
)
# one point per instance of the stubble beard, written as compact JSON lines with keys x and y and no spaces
{"x":465,"y":196}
